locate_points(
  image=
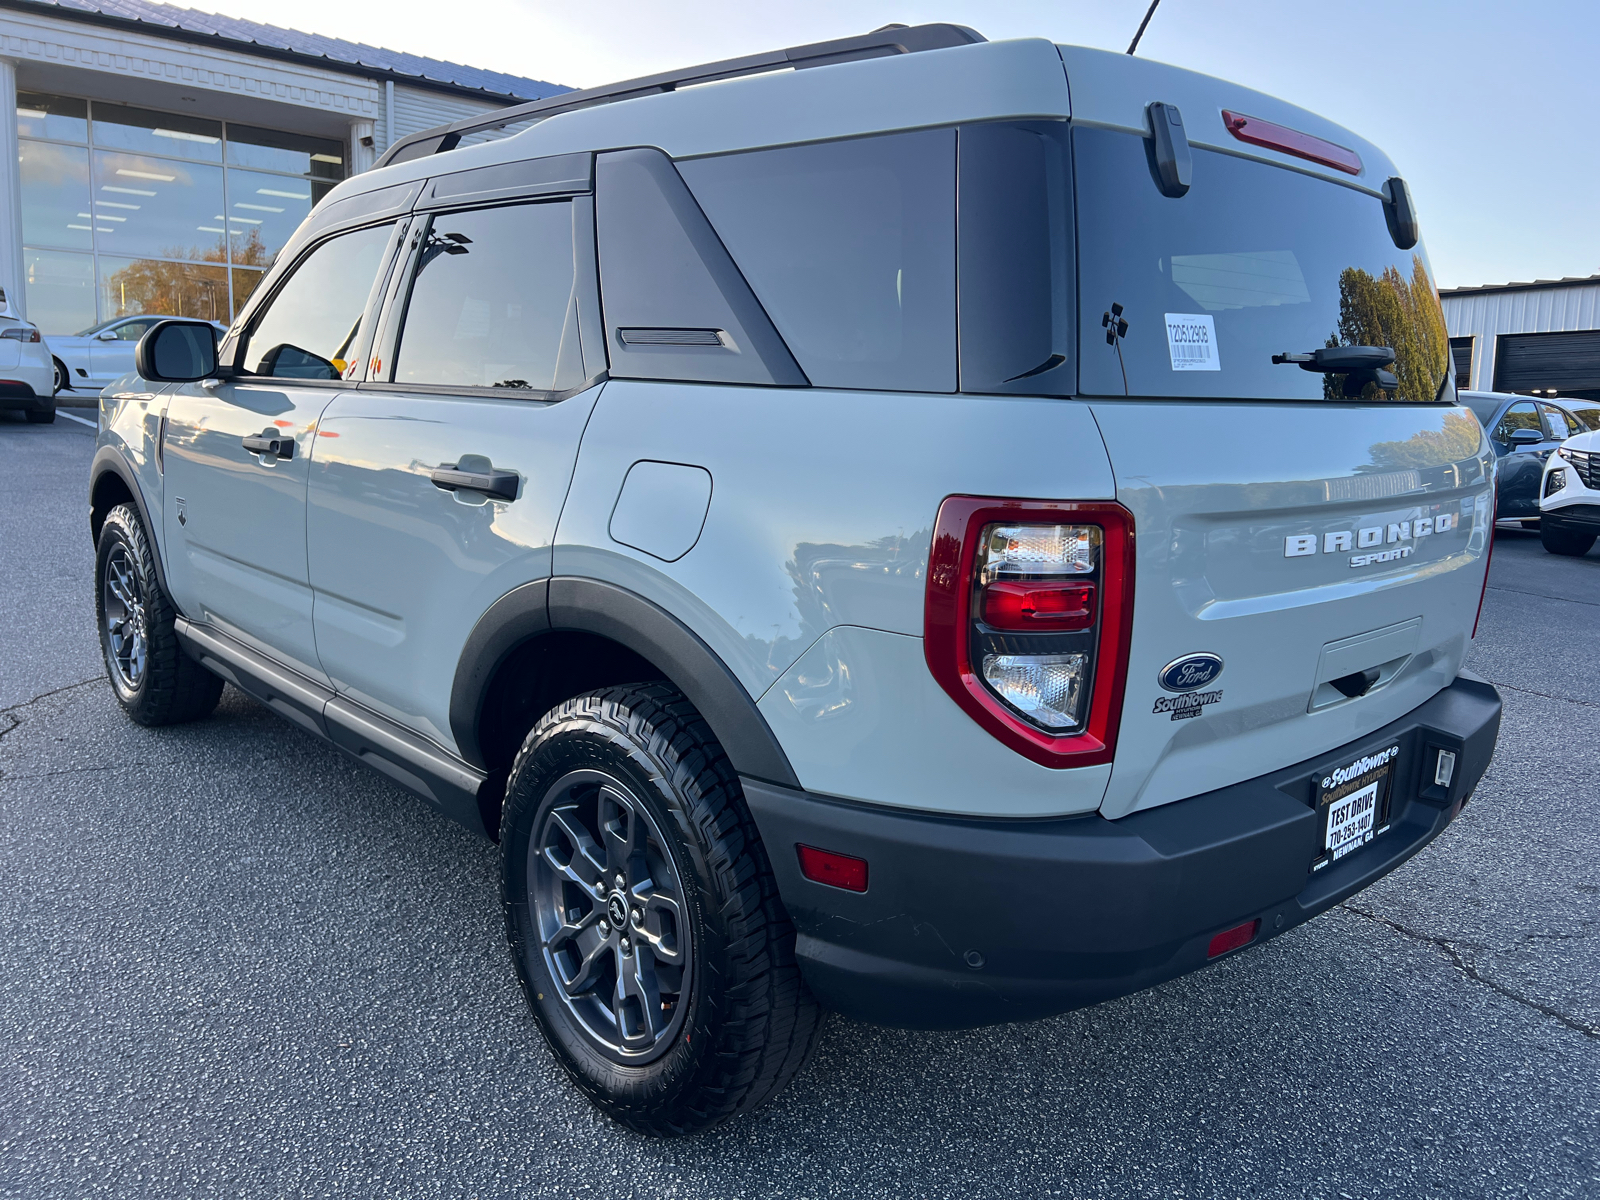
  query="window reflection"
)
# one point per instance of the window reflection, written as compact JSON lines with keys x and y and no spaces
{"x":61,"y":118}
{"x":168,"y":214}
{"x":148,"y":285}
{"x":55,"y":195}
{"x":60,"y":290}
{"x":167,"y":134}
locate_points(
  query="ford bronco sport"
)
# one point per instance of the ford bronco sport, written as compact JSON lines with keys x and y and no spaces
{"x":941,"y":530}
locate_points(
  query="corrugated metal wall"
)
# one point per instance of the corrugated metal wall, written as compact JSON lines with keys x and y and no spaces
{"x":1483,"y":316}
{"x":416,"y":110}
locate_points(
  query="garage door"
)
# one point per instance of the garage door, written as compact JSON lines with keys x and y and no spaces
{"x":1559,"y":362}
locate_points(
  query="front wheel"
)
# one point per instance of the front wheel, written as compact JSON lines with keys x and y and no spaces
{"x":644,"y":919}
{"x":1565,"y":541}
{"x":60,"y":381}
{"x":154,"y":680}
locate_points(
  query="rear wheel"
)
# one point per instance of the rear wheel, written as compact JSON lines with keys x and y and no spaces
{"x":154,"y":680}
{"x":1565,"y":541}
{"x":644,"y":920}
{"x":42,"y":416}
{"x":60,"y":380}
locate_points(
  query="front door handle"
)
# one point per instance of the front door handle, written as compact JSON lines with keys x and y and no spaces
{"x":271,"y":442}
{"x":478,"y":477}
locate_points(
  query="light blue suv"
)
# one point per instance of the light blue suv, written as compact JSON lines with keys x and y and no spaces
{"x":944,"y":530}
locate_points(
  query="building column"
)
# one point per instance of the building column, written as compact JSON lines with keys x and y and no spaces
{"x":11,"y":269}
{"x":362,"y":147}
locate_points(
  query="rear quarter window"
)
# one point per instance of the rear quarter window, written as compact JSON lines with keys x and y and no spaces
{"x":850,"y":247}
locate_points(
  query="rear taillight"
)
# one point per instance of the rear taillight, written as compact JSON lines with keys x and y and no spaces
{"x":20,"y":333}
{"x":1027,"y":622}
{"x":1488,"y":558}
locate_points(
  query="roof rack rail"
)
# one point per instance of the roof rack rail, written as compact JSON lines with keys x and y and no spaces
{"x":880,"y":43}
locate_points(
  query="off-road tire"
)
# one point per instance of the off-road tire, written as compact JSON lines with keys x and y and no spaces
{"x":750,"y":1023}
{"x":172,"y":687}
{"x":42,"y":416}
{"x":1565,"y":541}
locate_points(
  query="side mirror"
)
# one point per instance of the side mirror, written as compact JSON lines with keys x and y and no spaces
{"x":105,"y":335}
{"x":1526,"y":437}
{"x":177,"y":352}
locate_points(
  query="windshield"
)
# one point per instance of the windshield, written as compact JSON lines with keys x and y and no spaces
{"x":1254,"y":261}
{"x":94,"y":329}
{"x":1484,"y":405}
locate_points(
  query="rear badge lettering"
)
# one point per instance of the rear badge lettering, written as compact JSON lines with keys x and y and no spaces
{"x":1300,"y":545}
{"x":1187,"y":705}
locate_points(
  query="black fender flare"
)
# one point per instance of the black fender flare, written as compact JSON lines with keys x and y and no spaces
{"x":590,"y":606}
{"x":110,"y":460}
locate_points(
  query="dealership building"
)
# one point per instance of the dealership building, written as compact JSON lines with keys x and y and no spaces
{"x":160,"y":157}
{"x":1540,"y":338}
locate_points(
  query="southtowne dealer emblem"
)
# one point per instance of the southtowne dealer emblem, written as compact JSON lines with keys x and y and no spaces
{"x":1186,"y":676}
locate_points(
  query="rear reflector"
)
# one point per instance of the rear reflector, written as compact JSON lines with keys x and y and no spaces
{"x":1291,"y":141}
{"x":1232,"y":939}
{"x":835,"y":870}
{"x":1038,"y":604}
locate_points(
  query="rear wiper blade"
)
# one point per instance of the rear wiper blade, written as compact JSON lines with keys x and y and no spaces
{"x":1360,"y":366}
{"x":1338,"y":359}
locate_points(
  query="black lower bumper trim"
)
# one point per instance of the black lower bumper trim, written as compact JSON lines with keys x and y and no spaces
{"x":1581,"y":517}
{"x":971,"y":922}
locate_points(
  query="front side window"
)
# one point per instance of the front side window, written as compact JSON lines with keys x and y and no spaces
{"x":1194,"y":295}
{"x":493,"y":302}
{"x":308,"y":328}
{"x":850,"y":247}
{"x":1522,"y":415}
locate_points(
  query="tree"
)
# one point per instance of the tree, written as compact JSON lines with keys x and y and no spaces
{"x":1407,"y":317}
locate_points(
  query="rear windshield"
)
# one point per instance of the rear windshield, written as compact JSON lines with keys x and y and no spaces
{"x":1254,"y":261}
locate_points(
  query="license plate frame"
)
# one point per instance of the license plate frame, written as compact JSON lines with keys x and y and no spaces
{"x":1353,"y":804}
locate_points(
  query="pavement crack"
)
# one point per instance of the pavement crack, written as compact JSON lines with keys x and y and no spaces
{"x":9,"y":713}
{"x":1452,"y":952}
{"x":1544,"y":596}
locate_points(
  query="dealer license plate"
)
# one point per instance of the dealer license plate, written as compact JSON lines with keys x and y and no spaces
{"x":1354,"y":802}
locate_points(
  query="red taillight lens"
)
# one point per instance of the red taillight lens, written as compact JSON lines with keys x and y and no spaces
{"x":1488,"y":559}
{"x":1291,"y":141}
{"x":1027,"y":622}
{"x":1038,"y":606}
{"x":835,"y":870}
{"x":1232,"y":939}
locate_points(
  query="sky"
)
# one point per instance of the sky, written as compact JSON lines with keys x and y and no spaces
{"x":1488,"y":109}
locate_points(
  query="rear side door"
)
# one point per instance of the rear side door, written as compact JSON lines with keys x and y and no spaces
{"x":234,"y":513}
{"x":1520,"y":465}
{"x":437,"y":484}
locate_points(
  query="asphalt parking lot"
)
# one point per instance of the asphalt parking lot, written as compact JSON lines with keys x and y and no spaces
{"x":236,"y":964}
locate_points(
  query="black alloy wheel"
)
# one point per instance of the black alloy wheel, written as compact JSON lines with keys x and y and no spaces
{"x":643,"y":917}
{"x":153,"y":679}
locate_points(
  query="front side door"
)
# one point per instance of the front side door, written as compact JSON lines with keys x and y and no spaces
{"x":237,"y":454}
{"x":436,"y":486}
{"x":1520,"y":464}
{"x":111,"y":350}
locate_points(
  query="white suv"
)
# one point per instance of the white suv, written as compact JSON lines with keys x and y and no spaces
{"x":1569,"y":496}
{"x":893,"y":534}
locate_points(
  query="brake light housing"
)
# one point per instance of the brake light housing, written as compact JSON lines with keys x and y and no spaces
{"x":1028,"y":619}
{"x":1281,"y":138}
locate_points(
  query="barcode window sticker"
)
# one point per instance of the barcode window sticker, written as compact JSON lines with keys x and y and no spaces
{"x":1192,"y":341}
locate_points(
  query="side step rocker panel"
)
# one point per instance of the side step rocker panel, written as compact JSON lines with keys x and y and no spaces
{"x":417,"y":765}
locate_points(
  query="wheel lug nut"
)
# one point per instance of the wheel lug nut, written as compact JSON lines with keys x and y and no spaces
{"x":604,"y":927}
{"x":626,"y":946}
{"x":621,"y":881}
{"x":637,"y":916}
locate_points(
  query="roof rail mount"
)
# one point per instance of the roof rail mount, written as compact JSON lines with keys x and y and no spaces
{"x":880,"y":43}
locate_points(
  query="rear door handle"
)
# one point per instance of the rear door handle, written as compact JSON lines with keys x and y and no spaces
{"x":491,"y":481}
{"x":271,"y":441}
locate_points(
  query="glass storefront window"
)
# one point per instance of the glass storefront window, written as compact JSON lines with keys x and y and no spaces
{"x":55,"y":196}
{"x":269,"y":150}
{"x":60,"y":117}
{"x":264,"y":210}
{"x":148,"y":285}
{"x":60,"y":290}
{"x":101,"y":227}
{"x":244,"y":285}
{"x":173,"y":209}
{"x":166,"y":134}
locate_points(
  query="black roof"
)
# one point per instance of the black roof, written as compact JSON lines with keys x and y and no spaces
{"x":270,"y":41}
{"x":1567,"y":281}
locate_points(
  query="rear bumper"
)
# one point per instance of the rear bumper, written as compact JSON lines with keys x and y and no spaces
{"x":18,"y":393}
{"x":969,"y":923}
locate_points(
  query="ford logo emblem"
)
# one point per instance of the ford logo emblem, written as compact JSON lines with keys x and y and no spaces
{"x":1190,"y":672}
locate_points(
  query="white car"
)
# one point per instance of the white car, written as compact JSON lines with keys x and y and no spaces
{"x":1569,"y":496}
{"x":89,"y":360}
{"x":27,"y":377}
